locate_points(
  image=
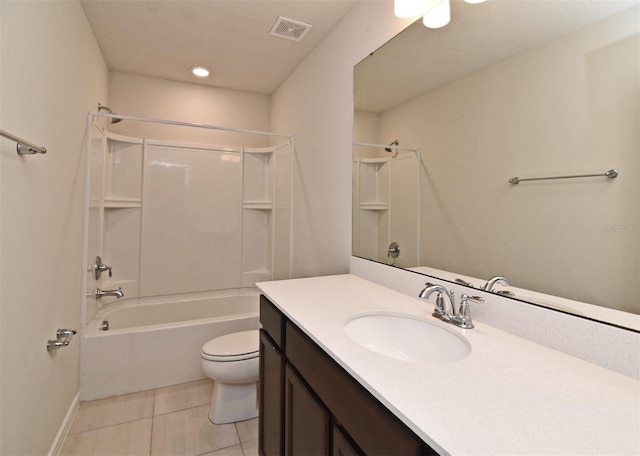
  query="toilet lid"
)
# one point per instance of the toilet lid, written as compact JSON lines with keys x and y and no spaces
{"x":233,"y":347}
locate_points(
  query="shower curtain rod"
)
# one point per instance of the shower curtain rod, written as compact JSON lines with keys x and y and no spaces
{"x":188,"y":124}
{"x":385,"y":146}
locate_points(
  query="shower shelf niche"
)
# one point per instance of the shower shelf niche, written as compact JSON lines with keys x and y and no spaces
{"x":122,"y":203}
{"x":258,"y":205}
{"x":374,"y":206}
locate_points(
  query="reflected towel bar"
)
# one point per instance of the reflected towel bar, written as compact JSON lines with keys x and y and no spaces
{"x":611,"y":174}
{"x":24,"y":147}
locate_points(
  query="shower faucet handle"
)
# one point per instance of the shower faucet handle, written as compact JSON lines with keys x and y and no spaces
{"x":99,"y":267}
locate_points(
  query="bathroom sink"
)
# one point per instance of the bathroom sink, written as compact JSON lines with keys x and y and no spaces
{"x":406,"y":337}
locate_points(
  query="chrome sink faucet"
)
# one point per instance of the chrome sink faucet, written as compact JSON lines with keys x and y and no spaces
{"x":440,"y":311}
{"x":493,"y":280}
{"x":102,"y":293}
{"x":460,"y":318}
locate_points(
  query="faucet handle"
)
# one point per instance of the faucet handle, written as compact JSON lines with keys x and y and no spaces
{"x":439,"y":311}
{"x":463,"y":319}
{"x":99,"y":267}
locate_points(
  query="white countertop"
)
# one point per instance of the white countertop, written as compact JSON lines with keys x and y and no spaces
{"x":509,"y":396}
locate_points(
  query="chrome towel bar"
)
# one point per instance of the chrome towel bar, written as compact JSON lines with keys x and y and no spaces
{"x":24,"y":147}
{"x":63,"y":338}
{"x":611,"y":174}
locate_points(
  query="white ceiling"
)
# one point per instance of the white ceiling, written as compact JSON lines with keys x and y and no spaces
{"x":420,"y":59}
{"x":164,"y":38}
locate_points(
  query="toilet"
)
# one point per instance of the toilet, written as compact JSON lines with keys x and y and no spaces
{"x":231,"y":361}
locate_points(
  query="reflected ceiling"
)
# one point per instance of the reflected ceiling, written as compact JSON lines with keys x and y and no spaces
{"x":466,"y":47}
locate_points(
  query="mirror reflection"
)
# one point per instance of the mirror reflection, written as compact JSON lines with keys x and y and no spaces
{"x":445,"y":118}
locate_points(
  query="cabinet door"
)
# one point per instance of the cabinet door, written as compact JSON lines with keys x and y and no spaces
{"x":306,"y":419}
{"x":341,"y":444}
{"x":271,"y":398}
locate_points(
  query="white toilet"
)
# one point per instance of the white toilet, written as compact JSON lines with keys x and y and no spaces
{"x":231,"y":361}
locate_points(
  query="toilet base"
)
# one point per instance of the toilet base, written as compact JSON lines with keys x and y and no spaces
{"x":233,"y":402}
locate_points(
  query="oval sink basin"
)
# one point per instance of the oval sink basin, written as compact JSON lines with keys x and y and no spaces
{"x":407,"y":338}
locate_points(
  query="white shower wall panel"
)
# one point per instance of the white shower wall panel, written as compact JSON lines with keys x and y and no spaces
{"x":282,"y":212}
{"x":123,"y":174}
{"x":122,"y":251}
{"x":404,"y":208}
{"x":191,"y":220}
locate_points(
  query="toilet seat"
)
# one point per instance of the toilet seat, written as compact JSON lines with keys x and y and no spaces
{"x":237,"y":346}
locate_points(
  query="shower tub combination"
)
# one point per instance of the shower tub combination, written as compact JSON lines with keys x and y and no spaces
{"x":186,"y":230}
{"x":154,"y":342}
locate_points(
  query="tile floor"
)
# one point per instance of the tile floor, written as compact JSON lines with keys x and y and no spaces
{"x":165,"y":421}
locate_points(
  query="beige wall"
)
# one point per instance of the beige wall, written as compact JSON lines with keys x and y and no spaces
{"x":169,"y":100}
{"x":52,"y":74}
{"x":568,"y":107}
{"x":316,"y":104}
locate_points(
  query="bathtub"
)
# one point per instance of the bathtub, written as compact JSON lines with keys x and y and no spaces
{"x":155,"y":342}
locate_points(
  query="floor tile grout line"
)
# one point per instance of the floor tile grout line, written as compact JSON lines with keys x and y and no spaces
{"x":153,"y":421}
{"x":179,"y":410}
{"x":221,"y":448}
{"x":235,"y":426}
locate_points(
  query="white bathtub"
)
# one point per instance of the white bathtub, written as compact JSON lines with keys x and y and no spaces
{"x":154,"y":342}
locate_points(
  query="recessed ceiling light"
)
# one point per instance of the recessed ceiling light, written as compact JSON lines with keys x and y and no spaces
{"x":200,"y":71}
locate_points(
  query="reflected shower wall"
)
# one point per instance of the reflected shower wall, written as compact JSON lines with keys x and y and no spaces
{"x":386,"y":204}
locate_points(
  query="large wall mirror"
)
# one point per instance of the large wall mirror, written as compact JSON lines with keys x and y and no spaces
{"x":444,"y":118}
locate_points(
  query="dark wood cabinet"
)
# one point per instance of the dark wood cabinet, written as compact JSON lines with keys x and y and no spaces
{"x":306,"y":419}
{"x":309,"y":405}
{"x":342,"y":446}
{"x":271,"y":397}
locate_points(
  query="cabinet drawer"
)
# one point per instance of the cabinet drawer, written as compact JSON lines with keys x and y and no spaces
{"x":372,"y":426}
{"x":272,"y":321}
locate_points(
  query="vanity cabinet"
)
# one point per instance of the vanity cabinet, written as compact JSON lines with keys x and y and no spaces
{"x":310,"y":405}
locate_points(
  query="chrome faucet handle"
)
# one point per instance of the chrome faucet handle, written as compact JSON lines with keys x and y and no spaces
{"x":394,"y":250}
{"x":439,"y":311}
{"x":99,"y":267}
{"x":464,"y":282}
{"x":463,"y":319}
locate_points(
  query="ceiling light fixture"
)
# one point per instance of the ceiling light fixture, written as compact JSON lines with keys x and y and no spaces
{"x":439,"y":16}
{"x":408,"y":8}
{"x":436,"y":13}
{"x":200,"y":71}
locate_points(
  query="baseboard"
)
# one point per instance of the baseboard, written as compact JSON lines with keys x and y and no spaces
{"x":56,"y":446}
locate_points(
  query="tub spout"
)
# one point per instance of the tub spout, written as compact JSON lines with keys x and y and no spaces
{"x":102,"y":293}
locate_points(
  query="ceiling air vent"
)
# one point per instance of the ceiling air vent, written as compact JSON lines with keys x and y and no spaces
{"x":290,"y":29}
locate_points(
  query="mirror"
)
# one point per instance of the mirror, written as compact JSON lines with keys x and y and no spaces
{"x":508,"y":89}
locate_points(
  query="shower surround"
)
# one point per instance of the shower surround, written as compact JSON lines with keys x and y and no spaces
{"x":176,"y":221}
